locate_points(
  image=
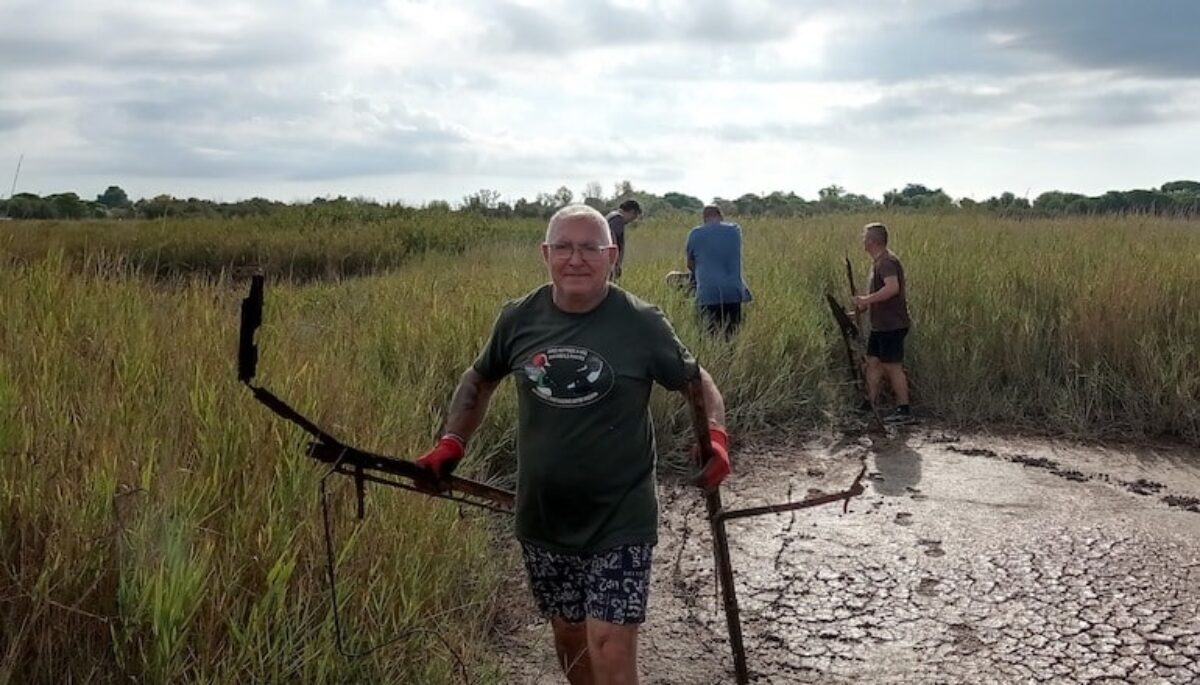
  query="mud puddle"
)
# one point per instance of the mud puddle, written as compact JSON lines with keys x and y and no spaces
{"x":968,"y":559}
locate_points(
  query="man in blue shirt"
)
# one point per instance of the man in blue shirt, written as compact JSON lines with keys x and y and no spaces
{"x":714,"y":256}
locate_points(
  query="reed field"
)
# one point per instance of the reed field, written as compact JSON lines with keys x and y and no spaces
{"x":296,"y":243}
{"x":157,"y":524}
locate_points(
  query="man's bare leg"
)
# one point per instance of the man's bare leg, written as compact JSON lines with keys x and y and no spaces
{"x":874,"y":378}
{"x":571,"y":644}
{"x":613,"y":652}
{"x":898,"y":381}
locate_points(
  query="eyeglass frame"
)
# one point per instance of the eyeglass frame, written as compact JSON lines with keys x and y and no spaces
{"x":553,"y":249}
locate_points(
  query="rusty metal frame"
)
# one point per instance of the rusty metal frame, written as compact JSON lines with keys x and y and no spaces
{"x":351,"y":461}
{"x":852,"y":340}
{"x":718,"y":516}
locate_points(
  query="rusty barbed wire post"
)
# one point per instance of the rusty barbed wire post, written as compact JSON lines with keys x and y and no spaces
{"x":724,"y":567}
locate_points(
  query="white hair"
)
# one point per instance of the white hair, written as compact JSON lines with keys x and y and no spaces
{"x":580,"y":213}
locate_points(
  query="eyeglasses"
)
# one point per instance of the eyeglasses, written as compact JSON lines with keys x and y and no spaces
{"x":588,"y":251}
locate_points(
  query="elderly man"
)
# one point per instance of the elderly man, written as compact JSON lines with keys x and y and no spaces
{"x":587,"y":514}
{"x":714,"y":256}
{"x":888,"y":302}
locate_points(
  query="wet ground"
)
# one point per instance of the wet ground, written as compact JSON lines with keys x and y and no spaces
{"x":969,"y":559}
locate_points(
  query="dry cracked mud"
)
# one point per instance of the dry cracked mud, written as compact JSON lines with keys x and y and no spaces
{"x":969,"y":559}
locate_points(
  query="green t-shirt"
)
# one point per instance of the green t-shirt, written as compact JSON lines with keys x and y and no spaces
{"x":585,"y":442}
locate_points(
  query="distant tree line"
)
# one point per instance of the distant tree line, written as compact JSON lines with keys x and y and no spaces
{"x":114,"y":203}
{"x":1174,"y":198}
{"x":1180,"y":198}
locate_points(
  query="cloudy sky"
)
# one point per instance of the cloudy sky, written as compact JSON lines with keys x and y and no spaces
{"x":414,"y":100}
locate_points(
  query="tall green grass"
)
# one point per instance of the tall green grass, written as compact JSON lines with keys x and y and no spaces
{"x":1084,"y":327}
{"x":157,"y":524}
{"x":300,"y":244}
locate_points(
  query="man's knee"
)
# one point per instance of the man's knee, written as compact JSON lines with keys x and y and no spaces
{"x":569,"y":635}
{"x":571,"y":644}
{"x":612,"y":647}
{"x":601,"y":634}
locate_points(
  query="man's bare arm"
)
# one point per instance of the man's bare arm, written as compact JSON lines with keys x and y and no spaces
{"x":715,"y":465}
{"x":890,"y":289}
{"x":469,"y":404}
{"x":714,"y":404}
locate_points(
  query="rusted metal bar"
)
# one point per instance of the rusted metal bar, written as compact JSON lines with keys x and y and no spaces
{"x":717,"y":516}
{"x":400,"y":485}
{"x":851,"y":331}
{"x":350,"y":460}
{"x":724,"y":567}
{"x":853,"y":292}
{"x":845,"y":495}
{"x":358,"y":464}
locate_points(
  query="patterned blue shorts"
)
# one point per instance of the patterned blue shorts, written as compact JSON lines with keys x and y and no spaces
{"x":612,"y":585}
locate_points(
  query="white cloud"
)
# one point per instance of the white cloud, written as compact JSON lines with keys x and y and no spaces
{"x":419,"y":99}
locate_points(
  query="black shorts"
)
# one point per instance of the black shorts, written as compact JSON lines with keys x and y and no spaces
{"x":887,"y":346}
{"x":721,"y":318}
{"x":611,"y":585}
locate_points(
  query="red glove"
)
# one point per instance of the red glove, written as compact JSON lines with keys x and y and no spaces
{"x":717,"y":467}
{"x":441,"y":460}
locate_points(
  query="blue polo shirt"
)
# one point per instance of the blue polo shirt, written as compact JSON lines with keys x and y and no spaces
{"x":716,"y":250}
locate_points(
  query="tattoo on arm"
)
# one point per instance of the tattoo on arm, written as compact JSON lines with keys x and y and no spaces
{"x":469,"y":404}
{"x":466,"y":398}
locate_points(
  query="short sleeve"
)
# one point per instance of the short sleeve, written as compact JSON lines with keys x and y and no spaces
{"x":886,"y":268}
{"x":671,"y":363}
{"x":691,"y":245}
{"x":493,"y":361}
{"x":616,"y":227}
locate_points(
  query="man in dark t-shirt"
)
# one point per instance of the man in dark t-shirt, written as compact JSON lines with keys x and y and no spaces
{"x":888,"y":302}
{"x":586,"y":513}
{"x":618,"y":220}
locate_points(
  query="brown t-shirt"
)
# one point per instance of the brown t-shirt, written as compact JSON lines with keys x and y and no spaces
{"x":892,"y":313}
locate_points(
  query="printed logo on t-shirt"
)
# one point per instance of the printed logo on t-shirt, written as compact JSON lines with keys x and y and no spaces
{"x":568,"y":376}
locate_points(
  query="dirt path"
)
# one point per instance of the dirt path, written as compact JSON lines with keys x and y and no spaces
{"x":969,"y":559}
